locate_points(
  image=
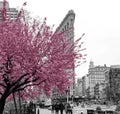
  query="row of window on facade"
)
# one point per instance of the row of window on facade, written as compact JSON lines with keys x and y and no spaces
{"x":98,"y":73}
{"x":67,"y":26}
{"x":97,"y":69}
{"x":96,"y":81}
{"x":97,"y":77}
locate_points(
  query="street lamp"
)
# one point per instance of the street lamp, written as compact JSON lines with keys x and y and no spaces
{"x":67,"y":93}
{"x":72,"y":97}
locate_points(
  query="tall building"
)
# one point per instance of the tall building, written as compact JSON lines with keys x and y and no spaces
{"x":113,"y":83}
{"x":107,"y":74}
{"x":82,"y":86}
{"x":10,"y":12}
{"x":96,"y":75}
{"x":66,"y":27}
{"x":86,"y":81}
{"x":79,"y":88}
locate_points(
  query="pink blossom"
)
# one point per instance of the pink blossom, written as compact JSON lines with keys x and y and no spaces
{"x":33,"y":58}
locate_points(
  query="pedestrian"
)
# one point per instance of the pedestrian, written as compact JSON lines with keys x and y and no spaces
{"x":81,"y":112}
{"x":37,"y":109}
{"x":77,"y":103}
{"x":68,"y":109}
{"x":57,"y":108}
{"x":71,"y":108}
{"x":61,"y":106}
{"x":53,"y":108}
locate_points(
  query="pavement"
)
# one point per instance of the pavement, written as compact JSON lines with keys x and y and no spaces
{"x":79,"y":109}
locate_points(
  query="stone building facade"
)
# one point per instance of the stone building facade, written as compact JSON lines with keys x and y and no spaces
{"x":66,"y":27}
{"x":113,"y":83}
{"x":96,"y":75}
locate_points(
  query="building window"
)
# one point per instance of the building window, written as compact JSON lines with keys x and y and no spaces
{"x":67,"y":25}
{"x":71,"y":22}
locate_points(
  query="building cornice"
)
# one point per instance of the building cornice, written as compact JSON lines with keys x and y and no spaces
{"x":70,"y":13}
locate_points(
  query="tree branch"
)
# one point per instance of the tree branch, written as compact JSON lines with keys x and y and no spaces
{"x":6,"y":79}
{"x":3,"y":85}
{"x":21,"y":77}
{"x":28,"y":85}
{"x":1,"y":93}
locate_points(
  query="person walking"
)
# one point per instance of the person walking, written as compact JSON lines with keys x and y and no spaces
{"x":66,"y":107}
{"x":61,"y":106}
{"x":53,"y":108}
{"x":69,"y":109}
{"x":57,"y":108}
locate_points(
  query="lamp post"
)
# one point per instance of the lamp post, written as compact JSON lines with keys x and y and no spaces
{"x":72,"y":97}
{"x":67,"y":93}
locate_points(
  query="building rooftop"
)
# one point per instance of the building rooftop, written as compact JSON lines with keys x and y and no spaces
{"x":70,"y":12}
{"x":115,"y":66}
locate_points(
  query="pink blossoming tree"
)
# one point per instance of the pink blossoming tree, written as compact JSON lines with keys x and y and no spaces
{"x":33,"y":56}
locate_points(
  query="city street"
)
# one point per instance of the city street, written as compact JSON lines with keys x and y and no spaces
{"x":45,"y":111}
{"x":79,"y":109}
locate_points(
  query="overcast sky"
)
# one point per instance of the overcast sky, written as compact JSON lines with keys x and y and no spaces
{"x":98,"y":19}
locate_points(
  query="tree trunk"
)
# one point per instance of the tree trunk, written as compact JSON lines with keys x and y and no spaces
{"x":16,"y":111}
{"x":20,"y":102}
{"x":2,"y":104}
